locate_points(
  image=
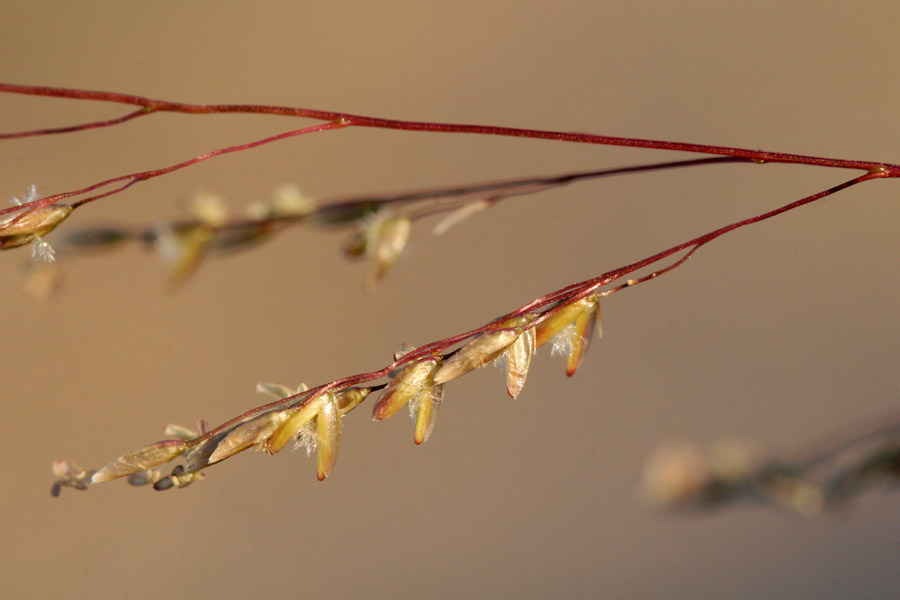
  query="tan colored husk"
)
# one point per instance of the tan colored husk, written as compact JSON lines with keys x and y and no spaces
{"x":27,"y":226}
{"x":475,"y":354}
{"x":248,"y":434}
{"x":328,"y":436}
{"x":410,"y":381}
{"x":350,"y":398}
{"x":140,"y":460}
{"x":518,"y":361}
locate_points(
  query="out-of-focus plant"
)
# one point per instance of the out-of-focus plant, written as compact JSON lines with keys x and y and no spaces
{"x":808,"y":479}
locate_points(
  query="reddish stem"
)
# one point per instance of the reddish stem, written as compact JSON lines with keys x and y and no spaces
{"x":150,"y":106}
{"x":82,"y":127}
{"x":133,"y":178}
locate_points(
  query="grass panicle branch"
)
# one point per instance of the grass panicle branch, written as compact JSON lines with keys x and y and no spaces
{"x":373,"y":219}
{"x":808,"y":481}
{"x":338,"y":120}
{"x":417,"y":377}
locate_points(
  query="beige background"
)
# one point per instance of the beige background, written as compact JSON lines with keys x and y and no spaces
{"x":777,"y":333}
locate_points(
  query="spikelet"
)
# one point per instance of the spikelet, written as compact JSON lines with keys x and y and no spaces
{"x":459,"y":215}
{"x":182,"y":251}
{"x":574,"y":322}
{"x":289,"y":201}
{"x":350,"y":398}
{"x":30,"y":225}
{"x":276,"y":390}
{"x":140,"y":460}
{"x":250,"y":433}
{"x":69,"y":475}
{"x":184,"y":248}
{"x":560,"y":317}
{"x":412,"y":380}
{"x":474,"y":355}
{"x":518,"y":360}
{"x":347,"y":399}
{"x":386,"y":237}
{"x":581,"y":337}
{"x":297,"y":421}
{"x":425,"y":406}
{"x":328,"y":436}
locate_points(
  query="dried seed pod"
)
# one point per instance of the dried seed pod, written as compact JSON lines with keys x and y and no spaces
{"x":247,"y":434}
{"x":518,"y":360}
{"x":140,"y":460}
{"x":294,"y":423}
{"x":427,"y":404}
{"x":410,"y":381}
{"x":328,"y":436}
{"x":27,"y":226}
{"x":475,"y":354}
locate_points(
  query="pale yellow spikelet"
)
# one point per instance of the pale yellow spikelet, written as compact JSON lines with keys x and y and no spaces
{"x":427,"y":404}
{"x":254,"y":432}
{"x":405,"y":385}
{"x":295,"y":422}
{"x":518,"y":361}
{"x":475,"y":354}
{"x":328,"y":436}
{"x":141,"y":459}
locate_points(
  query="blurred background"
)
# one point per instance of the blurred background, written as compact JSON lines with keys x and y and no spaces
{"x":776,"y":333}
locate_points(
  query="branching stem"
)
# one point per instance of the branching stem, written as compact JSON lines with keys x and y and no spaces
{"x":538,"y":311}
{"x":338,"y":120}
